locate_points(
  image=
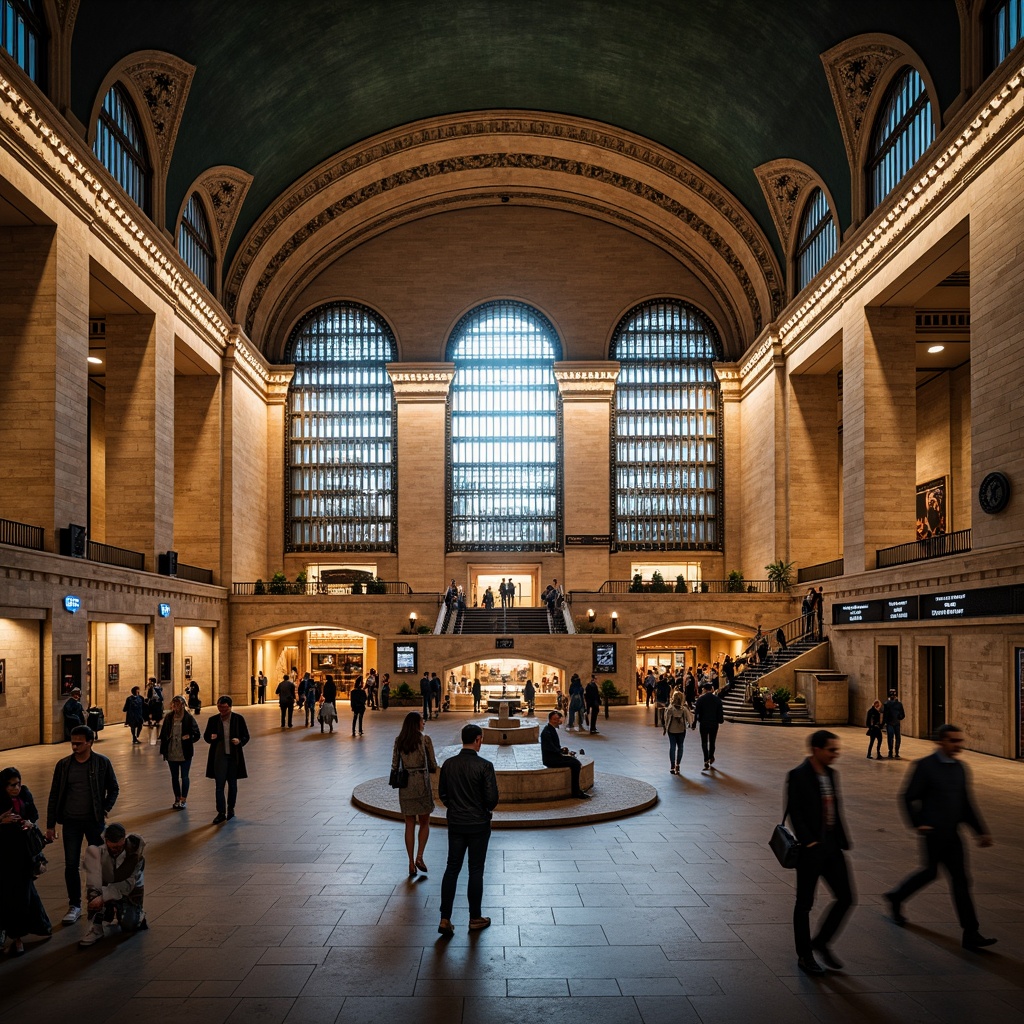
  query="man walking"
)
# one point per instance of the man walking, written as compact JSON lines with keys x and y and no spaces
{"x":435,"y":693}
{"x":892,"y":715}
{"x":937,"y":800}
{"x":261,"y":687}
{"x":468,"y":788}
{"x":286,"y":698}
{"x":72,"y":712}
{"x":427,"y":694}
{"x":592,"y":699}
{"x":83,"y":792}
{"x":813,"y":806}
{"x":709,"y":713}
{"x":554,"y":755}
{"x":227,"y":734}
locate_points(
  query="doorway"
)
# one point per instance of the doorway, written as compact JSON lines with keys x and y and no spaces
{"x":525,"y":579}
{"x":888,"y":670}
{"x":933,"y":672}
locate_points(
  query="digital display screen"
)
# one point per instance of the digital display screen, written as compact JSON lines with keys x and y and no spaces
{"x":604,"y":657}
{"x":952,"y":604}
{"x":855,"y":612}
{"x":899,"y":609}
{"x":405,"y":658}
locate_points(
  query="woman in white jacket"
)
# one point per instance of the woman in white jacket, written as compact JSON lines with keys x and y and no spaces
{"x":676,"y":719}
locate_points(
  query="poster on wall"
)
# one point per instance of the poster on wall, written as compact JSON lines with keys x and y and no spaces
{"x":70,"y":673}
{"x":604,"y":657}
{"x":932,"y":498}
{"x":188,"y":666}
{"x":405,"y":658}
{"x":113,"y":674}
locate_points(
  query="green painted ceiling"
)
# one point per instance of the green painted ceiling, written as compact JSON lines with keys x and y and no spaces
{"x":282,"y":85}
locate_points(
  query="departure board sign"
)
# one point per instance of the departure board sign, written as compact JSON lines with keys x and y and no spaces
{"x":854,"y":613}
{"x":953,"y":604}
{"x":899,"y":609}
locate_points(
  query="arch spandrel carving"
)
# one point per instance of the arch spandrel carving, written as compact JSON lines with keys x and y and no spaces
{"x":163,"y":81}
{"x":784,"y":184}
{"x":226,"y":188}
{"x":554,"y":160}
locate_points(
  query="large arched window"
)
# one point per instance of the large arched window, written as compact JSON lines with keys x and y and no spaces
{"x":341,"y":433}
{"x":666,"y":430}
{"x":903,"y":131}
{"x":195,"y":241}
{"x":1004,"y":29}
{"x":816,"y":243}
{"x":23,"y":35}
{"x":120,"y":146}
{"x":504,"y":432}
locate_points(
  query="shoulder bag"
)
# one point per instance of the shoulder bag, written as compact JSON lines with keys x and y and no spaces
{"x":399,"y":777}
{"x":784,"y":844}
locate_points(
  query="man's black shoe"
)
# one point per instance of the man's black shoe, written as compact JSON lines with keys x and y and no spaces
{"x":809,"y":965}
{"x":220,"y":817}
{"x":894,"y":906}
{"x":827,"y":957}
{"x":976,"y":941}
{"x":582,"y":796}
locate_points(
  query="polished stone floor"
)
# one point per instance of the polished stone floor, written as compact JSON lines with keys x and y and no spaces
{"x":300,"y":910}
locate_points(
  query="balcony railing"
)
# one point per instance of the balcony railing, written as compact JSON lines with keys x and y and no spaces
{"x":269,"y":588}
{"x":21,"y":534}
{"x":194,"y":574}
{"x":701,"y":587}
{"x":109,"y":555}
{"x":821,"y":571}
{"x":920,"y":550}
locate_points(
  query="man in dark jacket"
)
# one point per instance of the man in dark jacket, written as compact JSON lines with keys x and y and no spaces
{"x":83,"y":792}
{"x":286,"y":698}
{"x":427,"y":693}
{"x":709,"y":713}
{"x":937,"y":800}
{"x":227,"y":735}
{"x":554,"y":755}
{"x":892,"y":715}
{"x":592,"y":700}
{"x":813,"y":806}
{"x":468,"y":788}
{"x":72,"y":712}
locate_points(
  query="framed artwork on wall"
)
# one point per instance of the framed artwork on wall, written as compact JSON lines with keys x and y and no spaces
{"x":188,"y":666}
{"x":113,"y":674}
{"x":932,"y":508}
{"x":405,"y":659}
{"x":70,"y":673}
{"x":605,"y":657}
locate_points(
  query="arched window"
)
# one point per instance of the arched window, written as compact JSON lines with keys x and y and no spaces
{"x":1004,"y":29}
{"x":816,"y":243}
{"x":23,"y":35}
{"x":666,"y":430}
{"x":504,"y":432}
{"x":903,"y":131}
{"x":194,"y":241}
{"x":340,"y":484}
{"x":120,"y":146}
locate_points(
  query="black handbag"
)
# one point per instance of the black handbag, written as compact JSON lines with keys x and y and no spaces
{"x":399,"y":777}
{"x":784,"y":844}
{"x":35,"y":841}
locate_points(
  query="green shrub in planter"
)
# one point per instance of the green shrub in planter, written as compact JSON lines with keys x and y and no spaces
{"x":376,"y":586}
{"x":658,"y":583}
{"x":279,"y":583}
{"x":637,"y":586}
{"x":680,"y":584}
{"x":260,"y":588}
{"x":735,"y":582}
{"x":424,"y":629}
{"x":609,"y":690}
{"x":405,"y":690}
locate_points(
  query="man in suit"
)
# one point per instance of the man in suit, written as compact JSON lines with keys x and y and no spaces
{"x":937,"y":799}
{"x":427,"y":693}
{"x":227,"y":734}
{"x":709,"y":712}
{"x":815,"y":811}
{"x":554,"y":755}
{"x":892,"y":715}
{"x":592,"y":700}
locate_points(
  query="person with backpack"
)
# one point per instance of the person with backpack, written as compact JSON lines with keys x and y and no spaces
{"x":676,"y":720}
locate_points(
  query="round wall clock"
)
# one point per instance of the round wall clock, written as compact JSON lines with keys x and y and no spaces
{"x":994,"y":493}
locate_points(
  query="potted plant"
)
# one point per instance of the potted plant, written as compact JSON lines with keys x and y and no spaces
{"x":680,"y":584}
{"x":780,"y":574}
{"x":658,"y":583}
{"x":704,"y":586}
{"x":734,"y":583}
{"x":610,"y":692}
{"x":782,"y":696}
{"x":376,"y":586}
{"x":279,"y":583}
{"x":260,"y":588}
{"x":637,"y":586}
{"x":357,"y":587}
{"x":300,"y":582}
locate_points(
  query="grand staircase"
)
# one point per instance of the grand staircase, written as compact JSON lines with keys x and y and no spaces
{"x":507,"y":621}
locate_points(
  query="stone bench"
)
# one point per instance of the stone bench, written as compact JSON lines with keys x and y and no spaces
{"x":522,"y":777}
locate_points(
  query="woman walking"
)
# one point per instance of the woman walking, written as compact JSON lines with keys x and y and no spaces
{"x":178,"y":737}
{"x":416,"y":753}
{"x":357,"y":700}
{"x":328,"y":709}
{"x":134,"y":713}
{"x":874,"y":724}
{"x":21,"y":910}
{"x":675,"y":722}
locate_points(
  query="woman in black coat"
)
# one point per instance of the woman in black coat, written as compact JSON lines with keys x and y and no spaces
{"x":178,"y":737}
{"x":21,"y":911}
{"x":874,"y":724}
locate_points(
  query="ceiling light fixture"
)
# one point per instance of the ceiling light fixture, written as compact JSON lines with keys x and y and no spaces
{"x":933,"y":349}
{"x":95,"y":360}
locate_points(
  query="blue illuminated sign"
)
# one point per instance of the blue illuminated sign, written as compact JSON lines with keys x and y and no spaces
{"x":72,"y":603}
{"x":165,"y":610}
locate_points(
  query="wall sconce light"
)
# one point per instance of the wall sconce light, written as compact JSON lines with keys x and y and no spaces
{"x":615,"y":622}
{"x":591,"y":615}
{"x":412,"y":621}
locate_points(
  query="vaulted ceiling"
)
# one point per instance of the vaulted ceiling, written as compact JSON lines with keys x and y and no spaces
{"x":281,"y":85}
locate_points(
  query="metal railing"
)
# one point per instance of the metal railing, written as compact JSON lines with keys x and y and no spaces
{"x":270,"y":588}
{"x":920,"y":550}
{"x":121,"y":557}
{"x":193,"y":573}
{"x":821,"y":571}
{"x":21,"y":534}
{"x":701,"y":587}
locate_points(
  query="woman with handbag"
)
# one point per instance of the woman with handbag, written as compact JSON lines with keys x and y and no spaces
{"x":328,"y":713}
{"x":414,"y":753}
{"x":21,"y":910}
{"x":178,"y":736}
{"x":674,"y":722}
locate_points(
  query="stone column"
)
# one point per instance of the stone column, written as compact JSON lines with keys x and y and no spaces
{"x":421,"y":394}
{"x":44,"y":324}
{"x":588,"y":391}
{"x":732,"y":484}
{"x":140,"y":433}
{"x":879,"y":432}
{"x":812,"y":470}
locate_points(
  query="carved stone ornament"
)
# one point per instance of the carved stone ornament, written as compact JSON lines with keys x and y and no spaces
{"x":163,"y":81}
{"x":67,"y":11}
{"x":427,"y":382}
{"x":784,"y":184}
{"x":587,"y":382}
{"x":226,"y":187}
{"x":854,"y":69}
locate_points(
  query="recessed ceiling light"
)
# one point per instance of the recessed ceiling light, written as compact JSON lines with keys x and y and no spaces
{"x":95,"y":360}
{"x":932,"y":349}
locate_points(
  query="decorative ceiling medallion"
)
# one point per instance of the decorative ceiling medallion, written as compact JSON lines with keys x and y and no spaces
{"x":994,"y":493}
{"x":163,"y":81}
{"x":784,"y":183}
{"x":226,"y":187}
